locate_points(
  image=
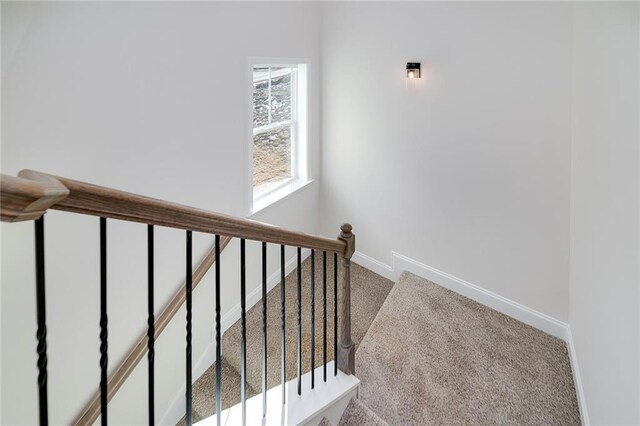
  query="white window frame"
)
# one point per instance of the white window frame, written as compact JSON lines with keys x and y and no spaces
{"x":299,"y":134}
{"x":292,"y":122}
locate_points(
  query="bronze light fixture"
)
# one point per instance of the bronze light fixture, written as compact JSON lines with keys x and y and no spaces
{"x":413,"y":70}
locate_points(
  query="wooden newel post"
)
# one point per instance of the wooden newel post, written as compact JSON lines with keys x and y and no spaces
{"x":346,"y":349}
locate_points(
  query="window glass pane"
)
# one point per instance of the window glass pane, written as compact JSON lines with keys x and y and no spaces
{"x":260,"y":102}
{"x":280,"y":94}
{"x":272,"y":156}
{"x":260,"y":73}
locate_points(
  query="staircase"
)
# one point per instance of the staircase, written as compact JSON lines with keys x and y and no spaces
{"x":427,"y":355}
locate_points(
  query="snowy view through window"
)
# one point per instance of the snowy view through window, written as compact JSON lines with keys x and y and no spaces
{"x":272,"y":126}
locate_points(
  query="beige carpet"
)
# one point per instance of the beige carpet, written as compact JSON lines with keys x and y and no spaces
{"x":204,"y":400}
{"x":325,"y":422}
{"x":358,"y":414}
{"x":432,"y":356}
{"x":368,"y":293}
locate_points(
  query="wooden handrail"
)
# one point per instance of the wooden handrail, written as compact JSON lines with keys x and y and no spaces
{"x":91,"y":411}
{"x":96,"y":200}
{"x":24,"y":199}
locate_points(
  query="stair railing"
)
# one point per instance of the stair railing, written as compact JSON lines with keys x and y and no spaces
{"x":144,"y":345}
{"x":28,"y":196}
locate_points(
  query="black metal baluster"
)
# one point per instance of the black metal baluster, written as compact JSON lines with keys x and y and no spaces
{"x":218,"y":335}
{"x":264,"y":330}
{"x":299,"y":334}
{"x":243,"y":353}
{"x":335,"y":314}
{"x":41,"y":333}
{"x":189,"y":289}
{"x":104,"y":333}
{"x":283,"y":364}
{"x":313,"y":318}
{"x":324,"y":315}
{"x":151,"y":325}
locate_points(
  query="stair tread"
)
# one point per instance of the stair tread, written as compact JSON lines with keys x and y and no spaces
{"x":204,"y":391}
{"x":358,"y":414}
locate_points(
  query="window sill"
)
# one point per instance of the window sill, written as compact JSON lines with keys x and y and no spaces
{"x":272,"y":197}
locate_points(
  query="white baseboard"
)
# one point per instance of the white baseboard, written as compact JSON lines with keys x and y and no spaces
{"x":374,"y":265}
{"x":493,"y":300}
{"x":577,"y":380}
{"x":488,"y":298}
{"x":501,"y":304}
{"x":177,"y":408}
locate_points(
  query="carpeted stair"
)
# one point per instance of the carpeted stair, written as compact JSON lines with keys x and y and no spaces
{"x":368,"y":292}
{"x":204,"y":398}
{"x":357,"y":414}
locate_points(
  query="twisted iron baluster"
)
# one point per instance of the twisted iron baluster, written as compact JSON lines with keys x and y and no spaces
{"x":335,"y":314}
{"x":324,"y":315}
{"x":264,"y":330}
{"x":299,"y":334}
{"x":41,"y":332}
{"x":189,"y":289}
{"x":243,"y":315}
{"x":150,"y":325}
{"x":104,"y":333}
{"x":218,"y":334}
{"x":283,"y":364}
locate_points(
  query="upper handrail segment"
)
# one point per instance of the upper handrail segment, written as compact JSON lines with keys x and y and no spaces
{"x":32,"y":193}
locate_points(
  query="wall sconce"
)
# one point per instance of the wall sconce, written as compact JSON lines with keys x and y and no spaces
{"x":413,"y":70}
{"x":413,"y":75}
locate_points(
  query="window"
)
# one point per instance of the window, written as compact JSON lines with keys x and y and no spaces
{"x":279,"y":131}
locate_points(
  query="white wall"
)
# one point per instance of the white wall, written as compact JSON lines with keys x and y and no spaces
{"x":149,"y":98}
{"x":605,"y":257}
{"x":469,"y":173}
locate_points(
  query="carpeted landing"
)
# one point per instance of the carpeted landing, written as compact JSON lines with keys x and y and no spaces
{"x":432,"y":356}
